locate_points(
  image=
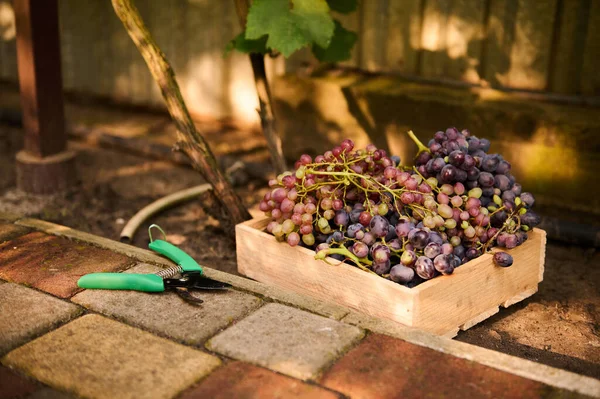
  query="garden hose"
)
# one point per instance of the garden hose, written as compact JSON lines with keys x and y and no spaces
{"x":159,"y":205}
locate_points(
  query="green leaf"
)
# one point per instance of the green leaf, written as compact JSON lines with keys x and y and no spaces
{"x":240,"y":43}
{"x":313,"y":18}
{"x":340,"y":48}
{"x":274,"y":18}
{"x":290,"y":29}
{"x":343,"y":6}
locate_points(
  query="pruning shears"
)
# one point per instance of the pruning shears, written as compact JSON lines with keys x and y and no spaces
{"x":192,"y":275}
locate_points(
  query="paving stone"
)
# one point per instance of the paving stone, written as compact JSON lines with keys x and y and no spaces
{"x":167,"y":314}
{"x":383,"y":367}
{"x":9,"y":231}
{"x":54,"y":264}
{"x":287,"y":340}
{"x":26,"y":313}
{"x":100,"y":358}
{"x":12,"y":385}
{"x":243,"y":380}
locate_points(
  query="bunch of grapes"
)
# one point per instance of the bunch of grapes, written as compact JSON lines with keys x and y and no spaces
{"x":406,"y":224}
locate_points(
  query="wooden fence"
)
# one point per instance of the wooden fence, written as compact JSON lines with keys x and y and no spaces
{"x":549,"y":46}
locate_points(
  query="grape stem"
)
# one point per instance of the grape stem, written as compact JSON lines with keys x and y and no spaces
{"x":322,"y":254}
{"x":420,"y":146}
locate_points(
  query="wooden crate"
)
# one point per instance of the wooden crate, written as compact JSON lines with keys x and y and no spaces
{"x":442,"y":305}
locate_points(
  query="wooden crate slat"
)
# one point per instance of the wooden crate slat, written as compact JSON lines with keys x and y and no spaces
{"x":442,"y":305}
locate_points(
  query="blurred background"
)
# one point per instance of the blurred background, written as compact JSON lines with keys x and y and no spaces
{"x":522,"y":73}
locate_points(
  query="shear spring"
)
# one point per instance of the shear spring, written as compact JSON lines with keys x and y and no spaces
{"x":170,"y":272}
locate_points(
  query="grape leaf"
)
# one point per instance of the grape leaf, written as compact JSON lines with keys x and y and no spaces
{"x":343,"y":6}
{"x":290,"y":29}
{"x":313,"y":18}
{"x":240,"y":43}
{"x":340,"y":48}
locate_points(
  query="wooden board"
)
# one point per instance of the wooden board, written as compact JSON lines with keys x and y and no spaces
{"x":441,"y":306}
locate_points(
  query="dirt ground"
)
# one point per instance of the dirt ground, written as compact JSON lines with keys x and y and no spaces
{"x":558,"y":326}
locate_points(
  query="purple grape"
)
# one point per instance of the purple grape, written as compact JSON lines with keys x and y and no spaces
{"x":379,"y":226}
{"x":511,"y":241}
{"x":438,"y":164}
{"x":368,"y":239}
{"x":503,"y":167}
{"x":527,"y":199}
{"x":408,"y":258}
{"x":391,"y":233}
{"x":448,"y":174}
{"x":432,"y":250}
{"x":456,"y":158}
{"x":442,"y":263}
{"x":459,"y":251}
{"x":380,"y":253}
{"x":395,"y":244}
{"x":484,"y":145}
{"x":353,"y":229}
{"x":419,"y":238}
{"x":508,"y":196}
{"x":468,"y":163}
{"x":516,"y":188}
{"x":452,"y":133}
{"x":530,"y":218}
{"x":341,"y":218}
{"x":435,"y":237}
{"x":503,"y":259}
{"x":502,"y":182}
{"x":489,"y":163}
{"x":360,"y":249}
{"x":472,"y":253}
{"x":381,"y":267}
{"x":486,"y":179}
{"x":424,"y":267}
{"x":403,"y":227}
{"x":401,"y":274}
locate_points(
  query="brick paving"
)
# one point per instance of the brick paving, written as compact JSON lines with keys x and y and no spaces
{"x":54,"y":264}
{"x":243,"y":380}
{"x":237,"y":344}
{"x":9,"y":231}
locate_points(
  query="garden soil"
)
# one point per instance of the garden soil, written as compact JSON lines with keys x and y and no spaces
{"x":558,"y":326}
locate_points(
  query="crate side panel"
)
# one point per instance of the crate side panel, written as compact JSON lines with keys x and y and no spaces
{"x":478,"y":286}
{"x":262,"y":258}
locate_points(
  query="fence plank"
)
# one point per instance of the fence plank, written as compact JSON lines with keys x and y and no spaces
{"x":530,"y":55}
{"x":590,"y":78}
{"x":464,"y":36}
{"x":139,"y":74}
{"x":352,"y":23}
{"x":373,"y":34}
{"x":499,"y":41}
{"x":567,"y":59}
{"x":403,"y":36}
{"x":433,"y":37}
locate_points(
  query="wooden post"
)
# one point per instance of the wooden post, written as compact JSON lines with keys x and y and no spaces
{"x":45,"y":165}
